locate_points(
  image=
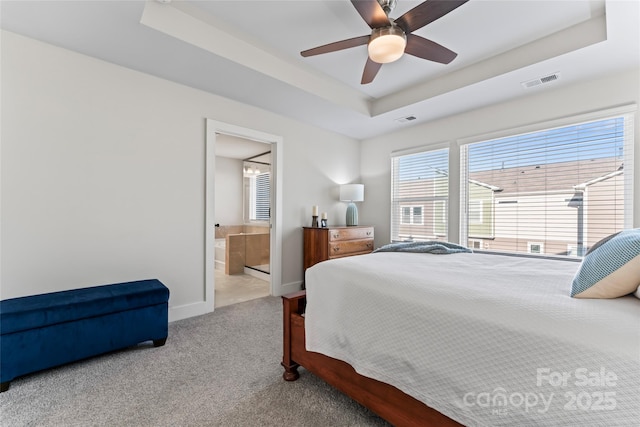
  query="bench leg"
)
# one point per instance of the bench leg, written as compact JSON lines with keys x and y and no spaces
{"x":4,"y":386}
{"x":160,"y":342}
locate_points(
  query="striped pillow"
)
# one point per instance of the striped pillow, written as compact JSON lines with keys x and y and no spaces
{"x":611,"y":269}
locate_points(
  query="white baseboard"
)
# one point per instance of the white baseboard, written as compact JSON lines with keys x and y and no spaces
{"x":257,"y":274}
{"x":199,"y":308}
{"x":188,"y":310}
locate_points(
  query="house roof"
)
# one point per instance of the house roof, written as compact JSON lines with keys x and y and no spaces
{"x":550,"y":177}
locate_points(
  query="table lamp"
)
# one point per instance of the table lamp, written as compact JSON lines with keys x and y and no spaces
{"x":352,"y":193}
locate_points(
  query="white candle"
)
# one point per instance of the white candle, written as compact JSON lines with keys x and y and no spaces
{"x":314,"y":211}
{"x":324,"y":215}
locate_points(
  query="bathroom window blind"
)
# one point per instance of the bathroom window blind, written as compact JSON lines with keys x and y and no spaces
{"x":262,"y":197}
{"x":551,"y":192}
{"x":419,"y":195}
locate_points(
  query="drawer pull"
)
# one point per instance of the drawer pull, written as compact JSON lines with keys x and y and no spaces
{"x":336,"y":235}
{"x":336,"y":248}
{"x":368,"y":233}
{"x":369,"y":245}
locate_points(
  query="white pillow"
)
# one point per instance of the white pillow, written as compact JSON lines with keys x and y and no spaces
{"x":611,"y":269}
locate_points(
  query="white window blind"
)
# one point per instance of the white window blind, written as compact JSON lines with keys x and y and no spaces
{"x":552,"y":192}
{"x":261,"y":197}
{"x":259,"y":200}
{"x":419,"y":195}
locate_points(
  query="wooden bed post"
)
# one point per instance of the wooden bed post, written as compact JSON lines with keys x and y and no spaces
{"x":292,"y":303}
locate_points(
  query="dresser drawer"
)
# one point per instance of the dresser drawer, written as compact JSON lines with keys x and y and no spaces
{"x":321,"y":244}
{"x":350,"y":247}
{"x":340,"y":234}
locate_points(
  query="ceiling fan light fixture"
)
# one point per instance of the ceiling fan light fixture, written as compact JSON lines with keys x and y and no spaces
{"x":387,"y":44}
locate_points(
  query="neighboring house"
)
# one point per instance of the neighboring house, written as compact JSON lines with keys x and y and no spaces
{"x":424,"y":206}
{"x":542,"y":209}
{"x":482,"y":211}
{"x":535,"y":209}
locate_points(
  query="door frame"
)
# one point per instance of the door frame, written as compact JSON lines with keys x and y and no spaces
{"x":214,"y":127}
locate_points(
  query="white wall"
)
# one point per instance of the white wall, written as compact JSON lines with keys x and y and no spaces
{"x":228,"y":193}
{"x":541,"y":106}
{"x":103,"y":174}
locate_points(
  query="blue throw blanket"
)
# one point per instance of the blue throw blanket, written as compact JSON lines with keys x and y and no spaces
{"x":429,"y":247}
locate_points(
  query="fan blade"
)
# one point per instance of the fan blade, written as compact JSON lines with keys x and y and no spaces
{"x":370,"y":70}
{"x":332,"y":47}
{"x":372,"y":13}
{"x":427,"y":49}
{"x":427,"y":12}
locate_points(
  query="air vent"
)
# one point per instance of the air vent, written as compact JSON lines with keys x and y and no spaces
{"x":542,"y":80}
{"x":406,"y":119}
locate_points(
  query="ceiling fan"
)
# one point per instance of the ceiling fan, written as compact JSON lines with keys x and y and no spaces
{"x":391,"y":38}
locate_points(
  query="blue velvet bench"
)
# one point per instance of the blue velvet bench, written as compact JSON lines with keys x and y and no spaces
{"x":42,"y":331}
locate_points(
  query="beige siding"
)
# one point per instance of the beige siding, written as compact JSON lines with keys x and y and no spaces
{"x":602,"y":216}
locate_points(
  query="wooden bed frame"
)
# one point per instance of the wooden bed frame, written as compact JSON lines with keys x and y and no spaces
{"x":385,"y":400}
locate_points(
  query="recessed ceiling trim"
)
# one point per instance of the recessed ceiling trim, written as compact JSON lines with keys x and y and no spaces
{"x":579,"y":36}
{"x":177,"y":23}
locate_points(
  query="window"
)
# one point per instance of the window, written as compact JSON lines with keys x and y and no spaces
{"x":555,"y":191}
{"x":475,"y":211}
{"x":535,"y":248}
{"x":411,"y":215}
{"x":257,"y":188}
{"x":263,"y":197}
{"x":419,"y":195}
{"x":475,"y":244}
{"x":260,"y":197}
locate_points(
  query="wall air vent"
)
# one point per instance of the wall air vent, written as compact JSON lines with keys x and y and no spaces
{"x":406,"y":119}
{"x":542,"y":80}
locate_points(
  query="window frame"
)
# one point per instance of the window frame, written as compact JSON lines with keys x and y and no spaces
{"x":411,"y":214}
{"x":457,"y":224}
{"x":530,"y":245}
{"x":628,"y":112}
{"x":254,"y":196}
{"x":396,"y":156}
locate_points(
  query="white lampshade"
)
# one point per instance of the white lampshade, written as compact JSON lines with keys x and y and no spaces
{"x":352,"y":193}
{"x":387,"y":44}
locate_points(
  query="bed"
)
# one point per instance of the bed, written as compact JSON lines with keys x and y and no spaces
{"x":466,"y":339}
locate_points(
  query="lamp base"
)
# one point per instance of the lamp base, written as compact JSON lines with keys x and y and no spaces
{"x":352,"y":214}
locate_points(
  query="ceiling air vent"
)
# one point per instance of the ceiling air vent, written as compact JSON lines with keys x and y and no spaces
{"x":542,"y":80}
{"x":406,"y":119}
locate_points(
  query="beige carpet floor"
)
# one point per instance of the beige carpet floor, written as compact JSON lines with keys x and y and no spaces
{"x":220,"y":369}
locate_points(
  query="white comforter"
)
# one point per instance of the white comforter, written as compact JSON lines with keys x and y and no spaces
{"x":484,"y":339}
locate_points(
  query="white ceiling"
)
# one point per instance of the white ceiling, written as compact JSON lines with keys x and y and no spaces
{"x":249,"y":51}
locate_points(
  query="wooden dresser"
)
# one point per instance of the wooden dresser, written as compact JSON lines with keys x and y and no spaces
{"x":321,"y":244}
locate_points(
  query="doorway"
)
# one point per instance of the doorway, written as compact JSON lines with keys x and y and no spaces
{"x":243,"y":219}
{"x":242,"y":201}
